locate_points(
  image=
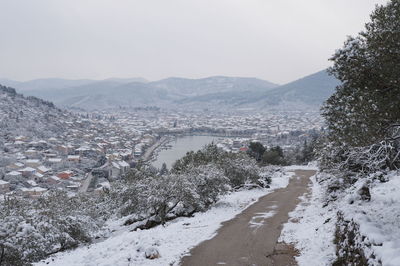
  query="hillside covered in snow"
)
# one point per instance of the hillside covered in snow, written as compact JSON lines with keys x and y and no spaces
{"x":29,"y":116}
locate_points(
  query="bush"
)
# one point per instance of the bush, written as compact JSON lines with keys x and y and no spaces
{"x":350,"y":244}
{"x":383,"y":156}
{"x":238,"y":168}
{"x":32,"y":230}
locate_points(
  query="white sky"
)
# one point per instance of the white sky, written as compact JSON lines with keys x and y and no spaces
{"x":276,"y":40}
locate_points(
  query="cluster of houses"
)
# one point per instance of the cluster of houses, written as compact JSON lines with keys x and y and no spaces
{"x":282,"y":128}
{"x":36,"y":166}
{"x":105,"y":149}
{"x":239,"y":124}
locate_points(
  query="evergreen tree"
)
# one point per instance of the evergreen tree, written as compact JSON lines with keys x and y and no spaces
{"x":256,"y":150}
{"x":365,"y":107}
{"x":164,"y":169}
{"x":307,"y":152}
{"x":274,"y":156}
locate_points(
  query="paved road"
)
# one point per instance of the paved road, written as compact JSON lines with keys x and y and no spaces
{"x":251,"y":237}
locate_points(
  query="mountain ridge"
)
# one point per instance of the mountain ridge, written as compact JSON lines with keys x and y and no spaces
{"x":211,"y":92}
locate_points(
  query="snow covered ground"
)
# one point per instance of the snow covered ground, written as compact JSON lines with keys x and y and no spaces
{"x":312,"y":224}
{"x":311,"y":228}
{"x":172,"y":240}
{"x":379,"y":219}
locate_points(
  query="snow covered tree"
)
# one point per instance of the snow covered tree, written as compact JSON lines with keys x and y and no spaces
{"x":32,"y":230}
{"x":365,"y":107}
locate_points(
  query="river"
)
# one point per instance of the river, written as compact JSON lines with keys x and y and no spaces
{"x":180,"y":146}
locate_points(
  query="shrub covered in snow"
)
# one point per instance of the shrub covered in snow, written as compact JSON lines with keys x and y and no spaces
{"x":32,"y":230}
{"x":350,"y":245}
{"x":195,"y":182}
{"x":382,"y":156}
{"x":239,"y":168}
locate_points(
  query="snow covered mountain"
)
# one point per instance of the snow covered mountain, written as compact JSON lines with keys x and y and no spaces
{"x":212,"y":92}
{"x":311,"y":90}
{"x":113,"y":93}
{"x":303,"y":94}
{"x":211,"y":85}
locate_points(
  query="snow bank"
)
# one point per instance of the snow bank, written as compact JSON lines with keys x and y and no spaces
{"x":172,"y":241}
{"x":311,"y":228}
{"x":379,"y":219}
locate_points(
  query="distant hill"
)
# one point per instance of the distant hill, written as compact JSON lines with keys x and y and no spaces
{"x":58,"y":83}
{"x":308,"y":92}
{"x":311,"y":90}
{"x":169,"y":92}
{"x":211,"y":85}
{"x":106,"y":95}
{"x":43,"y":84}
{"x":61,"y":94}
{"x":211,"y":93}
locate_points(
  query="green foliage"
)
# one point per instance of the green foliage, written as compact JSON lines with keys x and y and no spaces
{"x":210,"y":154}
{"x":256,"y":150}
{"x":307,"y":153}
{"x":273,"y":156}
{"x":363,"y":115}
{"x":364,"y":109}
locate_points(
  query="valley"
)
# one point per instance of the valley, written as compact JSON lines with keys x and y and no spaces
{"x":106,"y":144}
{"x":183,"y":133}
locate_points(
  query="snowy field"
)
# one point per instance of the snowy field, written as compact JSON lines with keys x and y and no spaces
{"x":172,"y":241}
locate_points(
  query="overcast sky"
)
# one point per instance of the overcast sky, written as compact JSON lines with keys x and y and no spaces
{"x":276,"y":40}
